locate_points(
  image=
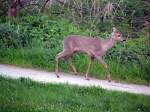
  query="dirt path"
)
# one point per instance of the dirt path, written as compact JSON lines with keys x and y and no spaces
{"x":49,"y":77}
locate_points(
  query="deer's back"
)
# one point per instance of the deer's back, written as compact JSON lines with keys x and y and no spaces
{"x":82,"y":43}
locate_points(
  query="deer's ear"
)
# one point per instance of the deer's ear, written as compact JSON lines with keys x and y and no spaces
{"x":114,"y":29}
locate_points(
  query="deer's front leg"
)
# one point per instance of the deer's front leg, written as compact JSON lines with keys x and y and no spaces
{"x":57,"y":67}
{"x":57,"y":59}
{"x":106,"y":69}
{"x":88,"y":69}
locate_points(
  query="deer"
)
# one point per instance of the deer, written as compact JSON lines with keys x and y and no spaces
{"x":95,"y":48}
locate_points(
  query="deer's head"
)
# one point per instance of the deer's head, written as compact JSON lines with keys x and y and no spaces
{"x":116,"y":35}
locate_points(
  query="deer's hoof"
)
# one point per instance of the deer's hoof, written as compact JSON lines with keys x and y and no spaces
{"x":87,"y":78}
{"x":58,"y":76}
{"x":109,"y":80}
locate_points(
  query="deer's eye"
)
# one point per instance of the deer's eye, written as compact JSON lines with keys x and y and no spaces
{"x":118,"y":35}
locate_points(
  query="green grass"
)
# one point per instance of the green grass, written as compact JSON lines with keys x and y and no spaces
{"x":24,"y":95}
{"x":45,"y":59}
{"x":34,"y":41}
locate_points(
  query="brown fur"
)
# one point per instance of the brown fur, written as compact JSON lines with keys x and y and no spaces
{"x":93,"y":47}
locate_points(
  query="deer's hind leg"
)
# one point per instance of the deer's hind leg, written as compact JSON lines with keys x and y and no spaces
{"x":91,"y":58}
{"x":58,"y":57}
{"x":72,"y":66}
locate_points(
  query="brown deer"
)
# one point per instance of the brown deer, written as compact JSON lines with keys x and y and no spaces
{"x":93,"y":47}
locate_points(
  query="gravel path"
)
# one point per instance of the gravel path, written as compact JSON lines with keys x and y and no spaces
{"x":50,"y":77}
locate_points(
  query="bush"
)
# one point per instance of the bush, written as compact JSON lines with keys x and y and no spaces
{"x":12,"y":36}
{"x":35,"y":41}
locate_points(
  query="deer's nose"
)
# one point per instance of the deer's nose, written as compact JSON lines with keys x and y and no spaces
{"x":123,"y":40}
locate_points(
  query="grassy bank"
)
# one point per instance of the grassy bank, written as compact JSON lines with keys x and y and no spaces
{"x":23,"y":95}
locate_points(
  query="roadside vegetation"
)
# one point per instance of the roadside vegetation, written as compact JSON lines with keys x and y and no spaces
{"x":32,"y":39}
{"x":24,"y":95}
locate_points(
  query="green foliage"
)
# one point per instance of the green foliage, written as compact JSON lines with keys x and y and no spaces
{"x":132,"y":11}
{"x":24,"y":95}
{"x":4,"y":7}
{"x":12,"y":36}
{"x":35,"y":39}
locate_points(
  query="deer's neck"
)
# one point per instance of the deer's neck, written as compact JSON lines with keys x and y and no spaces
{"x":108,"y":44}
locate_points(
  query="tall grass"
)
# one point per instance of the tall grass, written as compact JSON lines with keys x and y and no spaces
{"x":34,"y":41}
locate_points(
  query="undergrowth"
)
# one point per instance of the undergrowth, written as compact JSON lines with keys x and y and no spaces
{"x":34,"y":41}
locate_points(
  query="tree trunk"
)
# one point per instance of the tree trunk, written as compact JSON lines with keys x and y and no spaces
{"x":13,"y":8}
{"x":12,"y":11}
